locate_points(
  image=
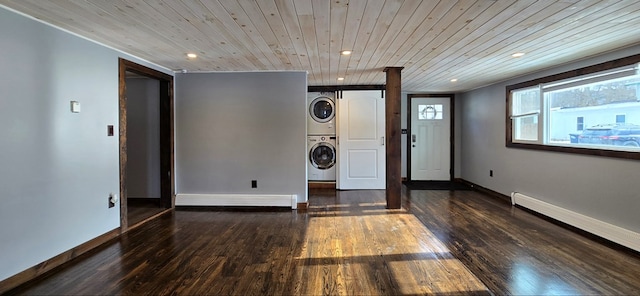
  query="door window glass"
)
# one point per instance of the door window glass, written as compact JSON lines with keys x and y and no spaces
{"x":430,"y":112}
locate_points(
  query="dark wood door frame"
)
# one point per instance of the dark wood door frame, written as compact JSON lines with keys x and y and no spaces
{"x":167,"y":190}
{"x":452,"y":130}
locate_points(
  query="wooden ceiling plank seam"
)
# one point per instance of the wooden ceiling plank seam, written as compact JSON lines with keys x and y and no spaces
{"x":216,"y":16}
{"x":465,"y":57}
{"x":563,"y":55}
{"x":430,"y":31}
{"x":238,"y":16}
{"x":337,"y":24}
{"x":113,"y":38}
{"x":154,"y":20}
{"x":213,"y":37}
{"x":164,"y":18}
{"x":415,"y":26}
{"x":469,"y":11}
{"x":425,"y":26}
{"x":501,"y":19}
{"x":448,"y":64}
{"x":477,"y":82}
{"x":260,"y":22}
{"x":322,"y":13}
{"x":355,"y":13}
{"x":386,"y":44}
{"x":466,"y":26}
{"x":275,"y":21}
{"x":304,"y":12}
{"x":427,"y":53}
{"x":365,"y":27}
{"x":116,"y":31}
{"x":287,"y":11}
{"x":517,"y":64}
{"x":535,"y":24}
{"x":385,"y":17}
{"x":432,"y":49}
{"x":185,"y":16}
{"x":559,"y":34}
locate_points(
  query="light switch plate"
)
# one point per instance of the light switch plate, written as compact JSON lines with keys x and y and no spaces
{"x":75,"y":107}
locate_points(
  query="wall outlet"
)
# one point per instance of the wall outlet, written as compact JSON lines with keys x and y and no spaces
{"x":254,"y":183}
{"x":490,"y":173}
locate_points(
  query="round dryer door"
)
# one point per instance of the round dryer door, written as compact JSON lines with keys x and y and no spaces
{"x":322,"y":109}
{"x":323,"y":156}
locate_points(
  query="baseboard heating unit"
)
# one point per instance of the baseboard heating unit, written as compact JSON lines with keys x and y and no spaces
{"x":237,"y":200}
{"x":608,"y":231}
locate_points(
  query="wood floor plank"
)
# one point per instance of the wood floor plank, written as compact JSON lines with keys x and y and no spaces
{"x":348,"y":243}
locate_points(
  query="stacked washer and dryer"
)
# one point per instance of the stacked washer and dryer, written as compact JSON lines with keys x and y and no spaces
{"x":321,"y":136}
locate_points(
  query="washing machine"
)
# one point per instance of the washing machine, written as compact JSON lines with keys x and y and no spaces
{"x":322,"y":158}
{"x":321,"y":113}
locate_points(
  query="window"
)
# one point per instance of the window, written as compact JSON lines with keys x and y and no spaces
{"x":430,"y":112}
{"x":593,"y":110}
{"x":580,"y":125}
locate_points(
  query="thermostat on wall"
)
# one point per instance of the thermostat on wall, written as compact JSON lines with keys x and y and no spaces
{"x":75,"y":107}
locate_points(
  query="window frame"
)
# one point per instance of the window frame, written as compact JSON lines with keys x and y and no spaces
{"x":626,"y":61}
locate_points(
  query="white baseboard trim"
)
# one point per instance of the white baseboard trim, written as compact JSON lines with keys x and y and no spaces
{"x":257,"y":200}
{"x":603,"y":229}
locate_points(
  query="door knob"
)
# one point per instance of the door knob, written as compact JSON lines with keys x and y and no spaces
{"x":413,"y":138}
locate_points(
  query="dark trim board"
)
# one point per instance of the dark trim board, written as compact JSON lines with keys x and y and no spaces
{"x":52,"y":263}
{"x":303,"y":206}
{"x":321,"y":185}
{"x":167,"y":190}
{"x":452,"y":108}
{"x":485,"y":190}
{"x":334,"y":88}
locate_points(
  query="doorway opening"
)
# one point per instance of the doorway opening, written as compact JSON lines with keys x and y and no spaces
{"x":430,"y":131}
{"x":146,"y":144}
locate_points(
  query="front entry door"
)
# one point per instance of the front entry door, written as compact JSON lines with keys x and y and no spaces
{"x":430,"y":139}
{"x":361,"y":150}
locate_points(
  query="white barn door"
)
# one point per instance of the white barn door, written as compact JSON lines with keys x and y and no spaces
{"x":361,"y":150}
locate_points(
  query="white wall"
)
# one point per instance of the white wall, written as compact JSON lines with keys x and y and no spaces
{"x":602,"y":188}
{"x":232,"y":128}
{"x":57,"y":168}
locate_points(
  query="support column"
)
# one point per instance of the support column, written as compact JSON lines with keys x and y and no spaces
{"x":393,"y":138}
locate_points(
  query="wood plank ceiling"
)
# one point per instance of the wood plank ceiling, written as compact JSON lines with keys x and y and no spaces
{"x":435,"y":41}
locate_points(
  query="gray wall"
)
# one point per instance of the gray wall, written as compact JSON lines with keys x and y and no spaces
{"x":599,"y":187}
{"x":232,"y":128}
{"x":57,"y":168}
{"x":143,"y":138}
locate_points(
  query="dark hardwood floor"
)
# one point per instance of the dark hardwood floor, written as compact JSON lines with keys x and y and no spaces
{"x":441,"y":242}
{"x":140,"y":209}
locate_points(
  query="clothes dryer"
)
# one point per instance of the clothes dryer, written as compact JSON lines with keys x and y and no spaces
{"x":322,"y":158}
{"x":321,"y":113}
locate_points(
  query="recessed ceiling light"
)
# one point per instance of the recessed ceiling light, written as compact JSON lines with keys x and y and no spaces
{"x":454,"y":80}
{"x":517,"y":54}
{"x":192,"y":55}
{"x":340,"y":78}
{"x":345,"y":52}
